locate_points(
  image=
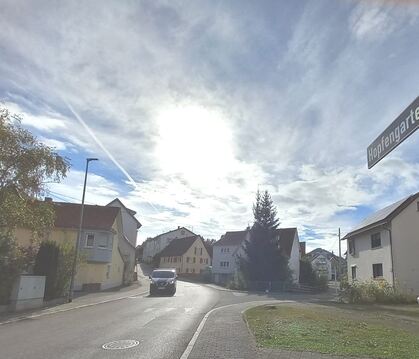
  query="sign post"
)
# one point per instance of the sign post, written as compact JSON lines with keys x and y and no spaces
{"x":400,"y":129}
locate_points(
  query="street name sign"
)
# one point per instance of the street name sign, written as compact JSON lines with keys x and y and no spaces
{"x":400,"y":129}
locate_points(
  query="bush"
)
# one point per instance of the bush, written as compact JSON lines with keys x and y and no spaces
{"x":374,"y":291}
{"x":55,"y":262}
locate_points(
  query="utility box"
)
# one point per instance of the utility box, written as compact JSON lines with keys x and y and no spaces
{"x":28,"y":293}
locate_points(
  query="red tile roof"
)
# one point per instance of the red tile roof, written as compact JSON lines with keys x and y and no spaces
{"x":67,"y":215}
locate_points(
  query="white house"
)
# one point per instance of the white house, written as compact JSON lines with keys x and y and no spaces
{"x":225,"y":255}
{"x":326,"y":263}
{"x":152,"y":246}
{"x":289,"y":244}
{"x":386,"y":245}
{"x":130,"y":224}
{"x":230,"y":247}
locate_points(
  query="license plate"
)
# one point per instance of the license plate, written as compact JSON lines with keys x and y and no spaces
{"x":161,"y":287}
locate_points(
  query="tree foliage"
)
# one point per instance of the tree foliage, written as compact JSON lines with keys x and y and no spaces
{"x":26,"y":166}
{"x":263,"y":260}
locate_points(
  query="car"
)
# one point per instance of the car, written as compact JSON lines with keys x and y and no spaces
{"x":163,"y":281}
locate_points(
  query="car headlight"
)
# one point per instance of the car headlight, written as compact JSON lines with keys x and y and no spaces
{"x":172,"y":281}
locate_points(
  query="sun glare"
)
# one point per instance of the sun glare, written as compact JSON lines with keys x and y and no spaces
{"x":195,"y":142}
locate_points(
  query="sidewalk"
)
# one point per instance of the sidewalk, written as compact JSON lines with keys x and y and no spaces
{"x":84,"y":299}
{"x":226,"y":336}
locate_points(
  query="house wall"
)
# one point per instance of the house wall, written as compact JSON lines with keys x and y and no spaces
{"x":365,"y":257}
{"x":126,"y":252}
{"x":129,"y":224}
{"x":322,"y":266}
{"x":108,"y":273}
{"x":294,"y":261}
{"x":405,"y":238}
{"x":183,"y":266}
{"x":160,"y":242}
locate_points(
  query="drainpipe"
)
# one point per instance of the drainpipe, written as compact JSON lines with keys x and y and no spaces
{"x":391,"y":255}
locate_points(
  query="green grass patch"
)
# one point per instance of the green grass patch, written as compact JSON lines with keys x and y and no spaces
{"x":333,"y":330}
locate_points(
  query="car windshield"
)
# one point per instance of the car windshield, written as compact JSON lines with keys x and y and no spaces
{"x":163,"y":274}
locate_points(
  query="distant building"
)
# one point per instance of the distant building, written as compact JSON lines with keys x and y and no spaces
{"x":228,"y":250}
{"x":152,"y":246}
{"x":226,"y":253}
{"x":385,"y":246}
{"x":188,"y":255}
{"x":289,"y":245}
{"x":326,"y":263}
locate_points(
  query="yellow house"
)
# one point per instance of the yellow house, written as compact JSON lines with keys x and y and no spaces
{"x":187,"y":255}
{"x":109,"y":258}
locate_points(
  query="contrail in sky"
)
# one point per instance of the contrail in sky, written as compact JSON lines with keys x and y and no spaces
{"x":100,"y":144}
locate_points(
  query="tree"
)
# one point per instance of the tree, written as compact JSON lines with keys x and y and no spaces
{"x":263,"y":260}
{"x":26,"y":166}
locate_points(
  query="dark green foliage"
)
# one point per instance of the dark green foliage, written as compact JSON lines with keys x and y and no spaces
{"x":263,"y":261}
{"x":54,"y":262}
{"x":307,"y":274}
{"x":46,"y":264}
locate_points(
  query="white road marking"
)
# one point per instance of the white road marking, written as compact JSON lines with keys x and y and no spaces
{"x":239,"y":294}
{"x":187,"y":310}
{"x":201,"y":325}
{"x":149,"y":310}
{"x":169,"y":309}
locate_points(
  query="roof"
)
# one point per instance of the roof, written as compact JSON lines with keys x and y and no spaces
{"x":234,"y":238}
{"x":382,"y":216}
{"x":67,"y":215}
{"x":286,"y":239}
{"x":320,"y":251}
{"x":130,"y":211}
{"x":178,"y":247}
{"x":173,"y":230}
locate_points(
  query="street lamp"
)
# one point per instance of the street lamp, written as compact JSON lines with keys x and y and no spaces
{"x":73,"y":270}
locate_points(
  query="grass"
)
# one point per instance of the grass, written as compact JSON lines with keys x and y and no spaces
{"x":337,"y":329}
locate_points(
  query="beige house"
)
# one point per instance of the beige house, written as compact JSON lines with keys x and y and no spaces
{"x":386,"y":246}
{"x":109,"y":255}
{"x":187,"y":255}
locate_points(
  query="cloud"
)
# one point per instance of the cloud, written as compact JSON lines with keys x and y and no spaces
{"x":203,"y":103}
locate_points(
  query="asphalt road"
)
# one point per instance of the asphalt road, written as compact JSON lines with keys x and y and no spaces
{"x":163,"y":326}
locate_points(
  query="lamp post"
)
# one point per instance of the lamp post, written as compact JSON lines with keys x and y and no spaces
{"x":76,"y":254}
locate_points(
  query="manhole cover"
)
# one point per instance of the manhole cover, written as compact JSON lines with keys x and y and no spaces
{"x":120,"y":344}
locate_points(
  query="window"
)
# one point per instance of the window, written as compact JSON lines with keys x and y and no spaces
{"x":194,"y":259}
{"x":353,"y":270}
{"x":228,"y":250}
{"x":206,"y":261}
{"x":187,"y":259}
{"x":90,"y":240}
{"x":193,"y":270}
{"x":377,"y":270}
{"x":108,"y":271}
{"x":224,"y":264}
{"x":376,"y":240}
{"x":175,"y":259}
{"x":187,"y":270}
{"x":102,"y":242}
{"x":195,"y":250}
{"x":200,"y":251}
{"x":351,"y":244}
{"x":200,"y":260}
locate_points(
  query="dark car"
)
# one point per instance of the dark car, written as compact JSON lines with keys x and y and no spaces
{"x":163,"y":281}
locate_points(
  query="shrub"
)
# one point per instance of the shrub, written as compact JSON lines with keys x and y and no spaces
{"x":374,"y":291}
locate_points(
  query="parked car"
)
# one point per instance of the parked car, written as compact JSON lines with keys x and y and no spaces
{"x":163,"y":281}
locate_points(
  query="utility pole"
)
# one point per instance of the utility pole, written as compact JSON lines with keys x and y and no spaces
{"x":340,"y":256}
{"x":76,"y":254}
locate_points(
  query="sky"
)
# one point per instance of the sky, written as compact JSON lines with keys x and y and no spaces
{"x":192,"y":106}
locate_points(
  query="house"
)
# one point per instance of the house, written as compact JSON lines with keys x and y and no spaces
{"x":326,"y":263}
{"x":152,"y":246}
{"x":229,"y":249}
{"x":386,"y":246}
{"x":109,"y":258}
{"x":187,"y":255}
{"x":289,"y":245}
{"x":226,"y":253}
{"x":130,"y":223}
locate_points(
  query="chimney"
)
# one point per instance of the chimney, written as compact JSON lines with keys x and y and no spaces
{"x":303,"y":248}
{"x":48,"y":199}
